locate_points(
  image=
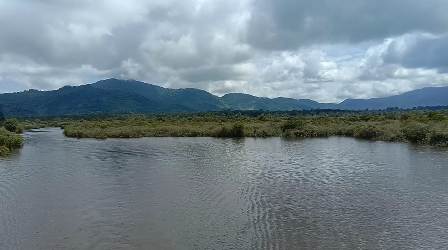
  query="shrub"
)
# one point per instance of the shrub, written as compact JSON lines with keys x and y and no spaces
{"x":404,"y":117}
{"x":365,"y":118}
{"x":391,"y":116}
{"x":416,"y":133}
{"x":439,"y":139}
{"x":236,"y":131}
{"x":12,"y":125}
{"x":435,"y":116}
{"x":292,"y":124}
{"x":9,"y":141}
{"x":4,"y":150}
{"x":308,"y":131}
{"x":367,"y":132}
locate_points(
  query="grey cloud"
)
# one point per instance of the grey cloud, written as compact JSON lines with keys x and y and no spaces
{"x":126,"y":38}
{"x":419,"y":51}
{"x":321,"y":49}
{"x":213,"y":74}
{"x":288,"y":24}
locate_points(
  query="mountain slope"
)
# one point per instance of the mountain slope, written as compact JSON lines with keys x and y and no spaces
{"x":2,"y":116}
{"x":189,"y":99}
{"x":74,"y":101}
{"x":239,"y":101}
{"x":113,"y":96}
{"x":426,"y":97}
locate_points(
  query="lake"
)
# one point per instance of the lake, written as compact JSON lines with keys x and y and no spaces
{"x":206,"y":193}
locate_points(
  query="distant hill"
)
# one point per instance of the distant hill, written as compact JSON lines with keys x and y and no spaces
{"x":2,"y":117}
{"x":426,"y":97}
{"x":238,"y":101}
{"x":169,"y":100}
{"x":114,"y":96}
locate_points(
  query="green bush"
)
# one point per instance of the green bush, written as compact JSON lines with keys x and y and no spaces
{"x":236,"y":131}
{"x":9,"y":141}
{"x":368,"y":132}
{"x":313,"y":131}
{"x":292,"y":124}
{"x":439,"y":139}
{"x":12,"y":125}
{"x":435,"y":116}
{"x":404,"y":117}
{"x":4,"y":150}
{"x":416,"y":133}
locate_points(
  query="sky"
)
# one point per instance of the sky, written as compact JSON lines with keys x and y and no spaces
{"x":325,"y":50}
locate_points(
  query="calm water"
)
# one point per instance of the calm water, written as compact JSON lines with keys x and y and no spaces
{"x":203,"y":193}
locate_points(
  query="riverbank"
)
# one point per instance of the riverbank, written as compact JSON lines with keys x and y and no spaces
{"x":419,"y":127}
{"x":9,"y":141}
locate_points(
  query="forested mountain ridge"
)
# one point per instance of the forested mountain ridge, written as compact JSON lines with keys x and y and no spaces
{"x":114,"y":96}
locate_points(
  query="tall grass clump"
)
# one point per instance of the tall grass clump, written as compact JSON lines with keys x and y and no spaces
{"x":235,"y":131}
{"x":13,"y":125}
{"x":9,"y":141}
{"x":416,"y":133}
{"x":439,"y":139}
{"x":368,"y":132}
{"x":292,"y":124}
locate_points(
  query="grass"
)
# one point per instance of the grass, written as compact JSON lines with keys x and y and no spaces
{"x":418,"y":127}
{"x":415,"y":127}
{"x":9,"y":141}
{"x":162,"y":127}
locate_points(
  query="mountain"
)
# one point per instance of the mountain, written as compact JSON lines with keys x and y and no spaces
{"x":114,"y":96}
{"x":185,"y":99}
{"x":2,"y":117}
{"x":74,"y":101}
{"x":426,"y":97}
{"x":238,"y":101}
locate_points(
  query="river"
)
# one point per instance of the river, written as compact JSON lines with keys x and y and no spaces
{"x":206,"y":193}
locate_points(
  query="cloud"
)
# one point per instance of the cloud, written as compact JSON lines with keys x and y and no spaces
{"x":419,"y":51}
{"x":322,"y":74}
{"x":288,"y":24}
{"x":321,"y":49}
{"x":157,"y":40}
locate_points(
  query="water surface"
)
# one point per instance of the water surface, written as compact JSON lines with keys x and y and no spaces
{"x":204,"y":193}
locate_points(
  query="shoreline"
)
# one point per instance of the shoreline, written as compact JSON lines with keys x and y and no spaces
{"x":427,"y":128}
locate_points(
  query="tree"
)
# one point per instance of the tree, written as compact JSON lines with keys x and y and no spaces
{"x":12,"y":125}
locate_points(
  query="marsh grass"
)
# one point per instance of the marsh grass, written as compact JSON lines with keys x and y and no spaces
{"x":9,"y":141}
{"x":420,"y":127}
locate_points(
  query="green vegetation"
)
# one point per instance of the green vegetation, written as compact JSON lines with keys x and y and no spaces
{"x":9,"y":137}
{"x":120,"y":97}
{"x":235,"y":131}
{"x":419,"y":127}
{"x":12,"y":125}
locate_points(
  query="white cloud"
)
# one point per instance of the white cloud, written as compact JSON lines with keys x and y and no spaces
{"x":267,"y":48}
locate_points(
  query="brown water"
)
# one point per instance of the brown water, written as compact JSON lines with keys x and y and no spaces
{"x":204,"y":193}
